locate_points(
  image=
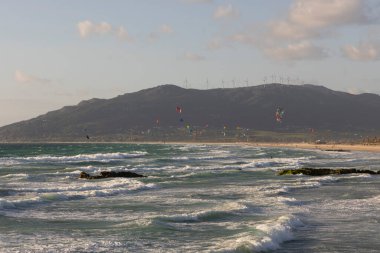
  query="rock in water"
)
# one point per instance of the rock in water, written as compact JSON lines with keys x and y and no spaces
{"x":107,"y":174}
{"x":323,"y":172}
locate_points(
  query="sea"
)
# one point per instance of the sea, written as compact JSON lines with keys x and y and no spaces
{"x":194,"y":198}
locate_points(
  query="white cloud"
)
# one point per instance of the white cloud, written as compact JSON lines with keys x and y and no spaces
{"x":193,"y":57}
{"x":162,"y":30}
{"x":215,"y":43}
{"x":166,"y":29}
{"x":364,"y":51}
{"x":226,"y":11}
{"x":22,"y":77}
{"x":243,"y":37}
{"x":103,"y":28}
{"x":123,"y":34}
{"x":310,"y":18}
{"x":302,"y":24}
{"x":298,"y":51}
{"x":86,"y":28}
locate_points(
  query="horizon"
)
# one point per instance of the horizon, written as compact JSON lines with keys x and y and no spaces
{"x":57,"y":54}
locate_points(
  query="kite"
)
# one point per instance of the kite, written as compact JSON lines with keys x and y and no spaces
{"x":279,"y":114}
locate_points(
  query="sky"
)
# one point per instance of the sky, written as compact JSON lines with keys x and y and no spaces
{"x":58,"y":53}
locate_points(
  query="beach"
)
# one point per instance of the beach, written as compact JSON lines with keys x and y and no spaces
{"x":328,"y":147}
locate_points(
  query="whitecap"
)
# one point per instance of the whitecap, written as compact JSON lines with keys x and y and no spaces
{"x":268,"y":236}
{"x":58,"y":192}
{"x":100,"y":157}
{"x":214,"y":213}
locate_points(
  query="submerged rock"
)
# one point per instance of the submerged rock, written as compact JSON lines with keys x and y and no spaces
{"x":337,"y":150}
{"x":323,"y":172}
{"x":106,"y":174}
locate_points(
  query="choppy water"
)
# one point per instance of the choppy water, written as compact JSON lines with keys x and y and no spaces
{"x":196,"y":198}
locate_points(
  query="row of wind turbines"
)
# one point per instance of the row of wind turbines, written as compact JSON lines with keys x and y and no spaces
{"x":238,"y":83}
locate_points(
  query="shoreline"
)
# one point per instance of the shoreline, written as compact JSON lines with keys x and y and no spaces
{"x":326,"y":147}
{"x":294,"y":145}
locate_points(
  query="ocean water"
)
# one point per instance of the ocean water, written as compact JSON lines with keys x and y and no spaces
{"x":195,"y":198}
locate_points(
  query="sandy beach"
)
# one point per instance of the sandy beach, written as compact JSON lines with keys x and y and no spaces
{"x":326,"y":147}
{"x":299,"y":145}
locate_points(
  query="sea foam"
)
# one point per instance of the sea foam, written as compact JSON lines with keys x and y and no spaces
{"x":267,"y":236}
{"x":36,"y":194}
{"x":99,"y":157}
{"x":215,"y":213}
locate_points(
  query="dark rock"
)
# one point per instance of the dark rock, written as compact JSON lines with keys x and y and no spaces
{"x":107,"y":174}
{"x":323,"y":172}
{"x":337,"y":150}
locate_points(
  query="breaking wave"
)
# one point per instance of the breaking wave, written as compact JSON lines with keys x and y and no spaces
{"x":100,"y":157}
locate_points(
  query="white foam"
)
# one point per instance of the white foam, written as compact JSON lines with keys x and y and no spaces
{"x":312,"y":182}
{"x":5,"y":204}
{"x":21,"y":202}
{"x":100,"y":157}
{"x":17,"y":176}
{"x":271,"y":234}
{"x":287,"y":200}
{"x":358,"y":176}
{"x":349,"y":207}
{"x":36,"y":193}
{"x":180,"y":158}
{"x":277,"y":232}
{"x":270,"y":163}
{"x":96,"y":170}
{"x":200,"y":215}
{"x":273,"y":189}
{"x":51,"y":242}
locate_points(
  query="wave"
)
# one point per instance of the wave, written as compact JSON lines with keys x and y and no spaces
{"x":266,"y":237}
{"x":37,"y":242}
{"x":348,"y":207}
{"x":99,"y":157}
{"x":16,"y":176}
{"x":269,"y":163}
{"x":218,"y":213}
{"x":277,"y":232}
{"x":56,"y":192}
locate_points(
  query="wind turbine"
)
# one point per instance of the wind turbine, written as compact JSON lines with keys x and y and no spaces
{"x":186,"y":83}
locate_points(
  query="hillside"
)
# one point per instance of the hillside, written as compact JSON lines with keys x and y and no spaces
{"x":306,"y":106}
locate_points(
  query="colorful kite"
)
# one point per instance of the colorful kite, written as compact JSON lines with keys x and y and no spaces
{"x":279,"y":114}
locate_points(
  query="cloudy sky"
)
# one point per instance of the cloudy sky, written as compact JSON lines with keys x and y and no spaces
{"x":56,"y":53}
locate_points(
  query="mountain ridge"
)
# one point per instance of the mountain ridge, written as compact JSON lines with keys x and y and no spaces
{"x":306,"y":106}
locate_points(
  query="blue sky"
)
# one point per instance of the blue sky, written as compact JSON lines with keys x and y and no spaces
{"x":56,"y":53}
